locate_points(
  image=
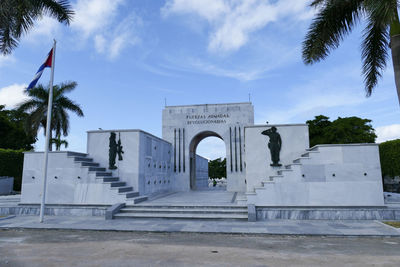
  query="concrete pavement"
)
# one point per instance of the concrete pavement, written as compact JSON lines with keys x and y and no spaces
{"x":274,"y":227}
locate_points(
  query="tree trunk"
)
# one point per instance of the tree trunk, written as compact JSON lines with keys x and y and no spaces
{"x":395,"y":46}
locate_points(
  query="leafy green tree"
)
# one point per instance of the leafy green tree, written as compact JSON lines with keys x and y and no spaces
{"x":12,"y":133}
{"x":17,"y":17}
{"x":37,"y":109}
{"x":340,"y":131}
{"x":337,"y":18}
{"x":389,"y":153}
{"x":217,"y":168}
{"x":58,"y":142}
{"x":317,"y":129}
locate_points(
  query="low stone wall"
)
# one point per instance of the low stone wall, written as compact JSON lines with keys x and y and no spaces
{"x":6,"y":185}
{"x":55,"y":210}
{"x":320,"y":213}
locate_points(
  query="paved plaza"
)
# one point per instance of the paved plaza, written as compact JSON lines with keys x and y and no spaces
{"x":93,"y":248}
{"x":273,"y":227}
{"x":269,"y":227}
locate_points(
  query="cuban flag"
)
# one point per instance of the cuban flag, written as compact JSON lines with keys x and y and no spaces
{"x":38,"y":74}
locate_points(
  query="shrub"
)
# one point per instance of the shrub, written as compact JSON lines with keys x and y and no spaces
{"x":389,"y":153}
{"x":11,"y":164}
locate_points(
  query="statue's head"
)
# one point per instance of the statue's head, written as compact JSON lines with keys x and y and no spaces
{"x":112,"y":134}
{"x":273,"y":129}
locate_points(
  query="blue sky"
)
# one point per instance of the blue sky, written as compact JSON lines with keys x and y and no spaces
{"x":128,"y":56}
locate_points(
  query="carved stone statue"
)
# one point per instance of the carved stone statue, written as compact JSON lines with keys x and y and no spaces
{"x":112,"y":152}
{"x":119,"y":148}
{"x":274,"y":145}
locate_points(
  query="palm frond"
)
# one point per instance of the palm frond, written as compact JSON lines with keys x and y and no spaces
{"x":70,"y":105}
{"x":17,"y":17}
{"x":39,"y":92}
{"x":61,"y":10}
{"x":28,"y":105}
{"x":318,"y":3}
{"x":335,"y":20}
{"x":376,"y":39}
{"x":67,"y":87}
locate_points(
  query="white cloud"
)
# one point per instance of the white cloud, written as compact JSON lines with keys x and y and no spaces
{"x":388,"y":132}
{"x":45,"y":29}
{"x":97,"y":20}
{"x":92,"y":16}
{"x":208,"y":9}
{"x":122,"y":36}
{"x":12,"y":95}
{"x":233,"y":21}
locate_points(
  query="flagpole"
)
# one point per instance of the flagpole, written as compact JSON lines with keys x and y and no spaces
{"x":48,"y":126}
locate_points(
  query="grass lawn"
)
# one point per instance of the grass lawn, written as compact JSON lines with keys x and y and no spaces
{"x":394,"y":224}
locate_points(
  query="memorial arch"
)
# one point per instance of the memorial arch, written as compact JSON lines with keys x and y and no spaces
{"x":192,"y":154}
{"x":185,"y":126}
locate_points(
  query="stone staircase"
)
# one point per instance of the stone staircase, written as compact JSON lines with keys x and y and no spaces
{"x":214,"y":212}
{"x":106,"y":177}
{"x":289,"y":172}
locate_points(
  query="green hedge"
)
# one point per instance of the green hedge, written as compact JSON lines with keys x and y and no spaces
{"x":390,"y":158}
{"x":11,"y":164}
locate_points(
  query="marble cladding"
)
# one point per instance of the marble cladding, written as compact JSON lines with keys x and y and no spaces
{"x":293,"y":213}
{"x":201,"y":172}
{"x":185,"y":126}
{"x":54,"y":210}
{"x":146,"y":163}
{"x":295,"y":140}
{"x":326,"y":175}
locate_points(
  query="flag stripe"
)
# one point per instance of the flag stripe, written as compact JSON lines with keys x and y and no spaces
{"x":46,"y":64}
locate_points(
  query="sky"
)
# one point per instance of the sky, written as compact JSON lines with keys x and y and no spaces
{"x":130,"y":57}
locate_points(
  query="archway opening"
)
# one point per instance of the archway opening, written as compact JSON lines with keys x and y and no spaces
{"x":207,"y":162}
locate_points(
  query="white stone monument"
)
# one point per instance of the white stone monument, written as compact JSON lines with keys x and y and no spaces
{"x":270,"y":165}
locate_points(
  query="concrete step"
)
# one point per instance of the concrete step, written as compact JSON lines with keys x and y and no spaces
{"x":189,"y":216}
{"x":76,"y":154}
{"x":262,"y":187}
{"x":290,"y":166}
{"x":308,"y":153}
{"x":298,"y":160}
{"x":103,"y":174}
{"x":97,"y":169}
{"x":266,"y":182}
{"x":123,"y":189}
{"x":314,"y":148}
{"x":117,"y":184}
{"x":131,"y":194}
{"x":82,"y":159}
{"x":281,"y":172}
{"x":89,"y":164}
{"x":135,"y":200}
{"x":109,"y":179}
{"x":187,"y":210}
{"x":183,"y":206}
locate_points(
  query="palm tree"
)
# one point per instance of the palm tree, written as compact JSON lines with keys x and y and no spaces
{"x":58,"y":142}
{"x":17,"y":17}
{"x":337,"y":18}
{"x":37,"y":109}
